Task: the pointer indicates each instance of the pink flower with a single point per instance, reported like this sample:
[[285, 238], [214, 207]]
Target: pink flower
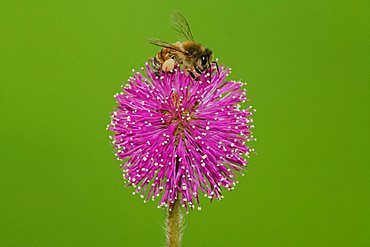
[[179, 137]]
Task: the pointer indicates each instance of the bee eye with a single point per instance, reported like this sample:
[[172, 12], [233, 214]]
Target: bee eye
[[204, 60]]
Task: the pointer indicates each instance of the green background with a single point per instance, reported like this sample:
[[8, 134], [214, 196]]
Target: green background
[[307, 68]]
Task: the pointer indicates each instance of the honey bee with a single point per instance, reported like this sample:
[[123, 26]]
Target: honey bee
[[187, 52]]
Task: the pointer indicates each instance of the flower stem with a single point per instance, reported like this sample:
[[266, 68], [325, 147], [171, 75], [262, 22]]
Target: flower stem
[[173, 225]]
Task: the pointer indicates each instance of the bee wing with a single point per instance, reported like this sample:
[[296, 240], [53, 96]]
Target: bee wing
[[164, 44], [181, 25]]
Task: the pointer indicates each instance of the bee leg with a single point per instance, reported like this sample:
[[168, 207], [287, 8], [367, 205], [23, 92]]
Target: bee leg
[[215, 62], [192, 75], [177, 60], [168, 65]]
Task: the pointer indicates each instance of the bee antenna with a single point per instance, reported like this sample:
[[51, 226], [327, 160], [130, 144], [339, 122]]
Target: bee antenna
[[218, 71]]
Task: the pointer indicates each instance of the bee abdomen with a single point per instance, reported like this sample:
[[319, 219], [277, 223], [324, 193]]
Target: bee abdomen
[[157, 65]]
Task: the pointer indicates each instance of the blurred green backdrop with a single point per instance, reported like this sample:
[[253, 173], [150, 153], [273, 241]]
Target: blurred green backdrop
[[307, 65]]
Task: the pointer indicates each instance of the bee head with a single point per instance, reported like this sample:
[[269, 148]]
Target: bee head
[[204, 62]]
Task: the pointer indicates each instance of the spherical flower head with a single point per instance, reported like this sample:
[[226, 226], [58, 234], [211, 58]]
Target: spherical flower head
[[179, 137]]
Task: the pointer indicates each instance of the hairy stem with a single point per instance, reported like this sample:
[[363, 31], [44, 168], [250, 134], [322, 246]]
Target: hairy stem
[[173, 225]]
